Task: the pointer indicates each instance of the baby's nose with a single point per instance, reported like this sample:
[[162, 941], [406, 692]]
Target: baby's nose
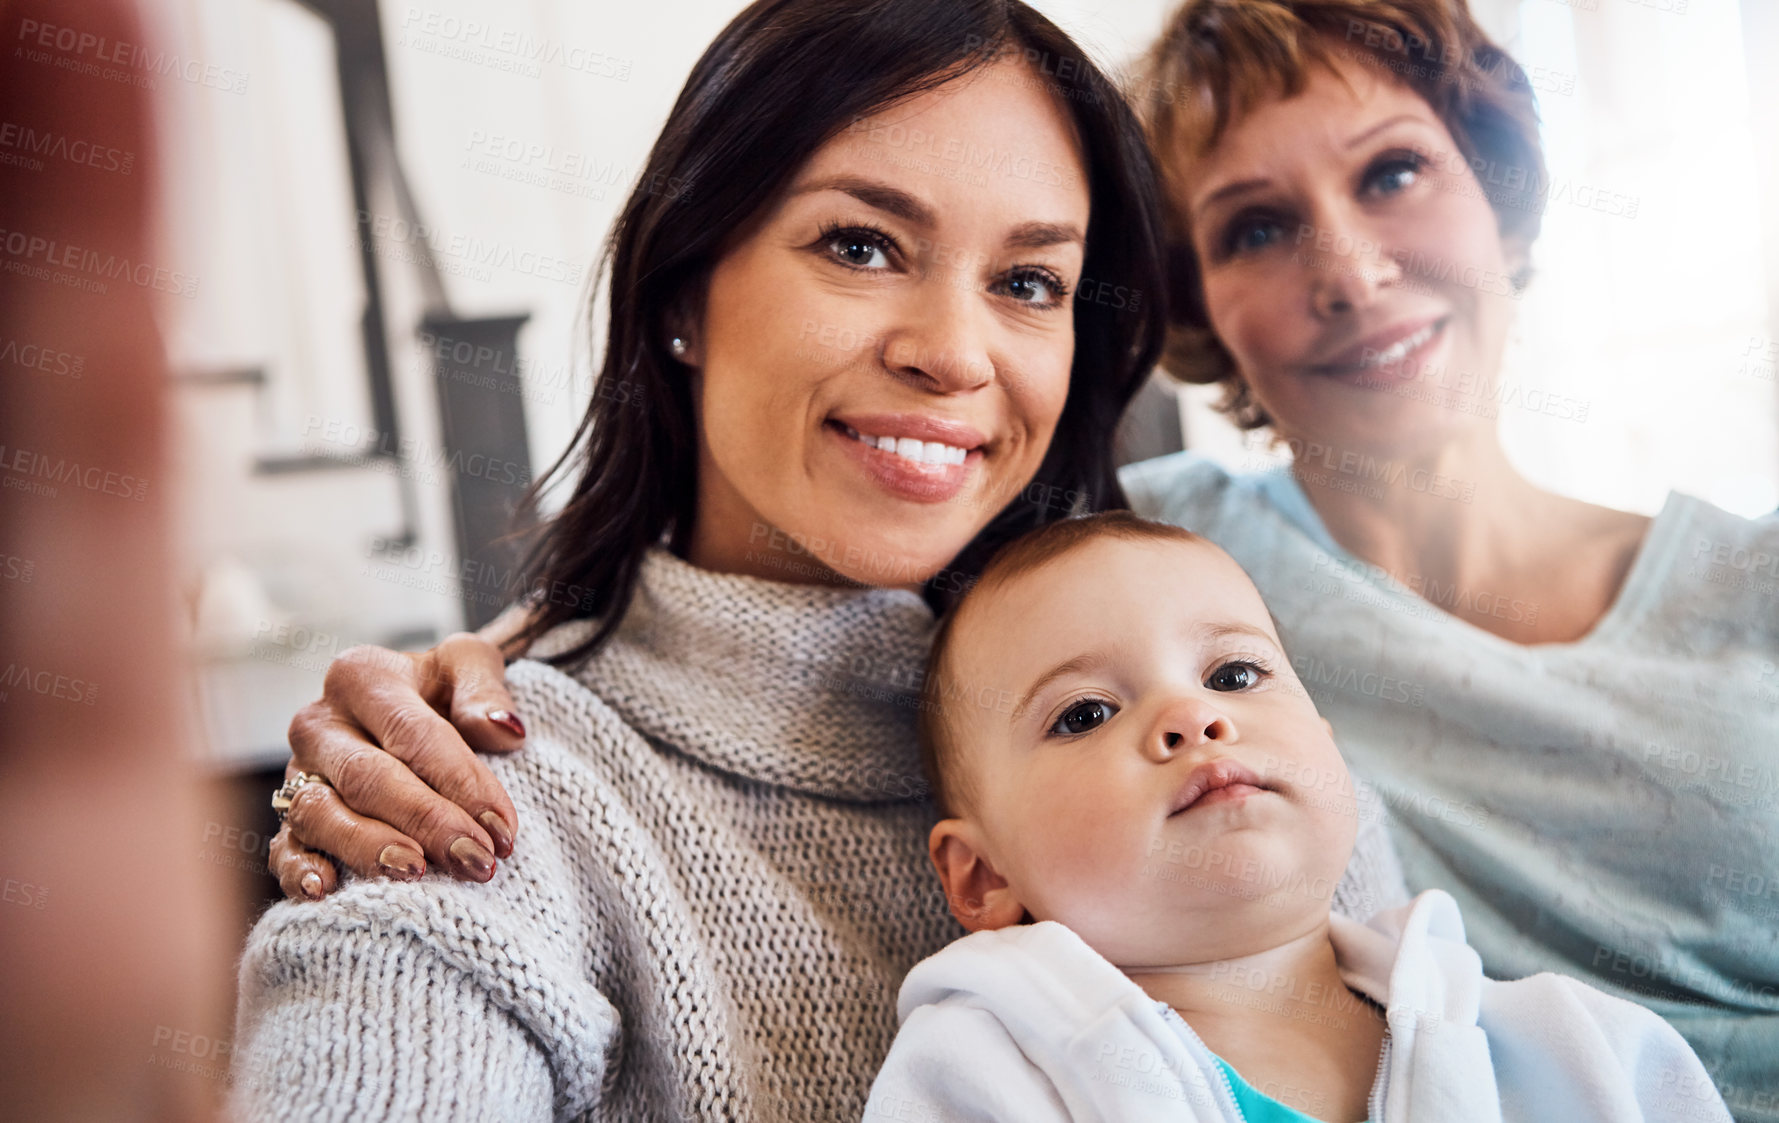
[[1189, 723]]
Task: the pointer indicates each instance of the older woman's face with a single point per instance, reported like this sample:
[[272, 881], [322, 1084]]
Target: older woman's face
[[1353, 267], [882, 360]]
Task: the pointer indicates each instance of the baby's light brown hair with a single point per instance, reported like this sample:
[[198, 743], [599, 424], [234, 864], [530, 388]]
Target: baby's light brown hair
[[943, 694]]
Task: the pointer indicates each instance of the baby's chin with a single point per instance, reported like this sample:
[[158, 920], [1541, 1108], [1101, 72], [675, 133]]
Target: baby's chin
[[1200, 928]]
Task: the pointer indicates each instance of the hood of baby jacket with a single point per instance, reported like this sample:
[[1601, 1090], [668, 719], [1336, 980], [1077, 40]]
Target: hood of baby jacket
[[1114, 1053]]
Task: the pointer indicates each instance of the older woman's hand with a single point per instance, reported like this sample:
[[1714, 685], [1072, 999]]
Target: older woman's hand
[[403, 784]]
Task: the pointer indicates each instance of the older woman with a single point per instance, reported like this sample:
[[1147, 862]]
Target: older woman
[[1570, 711], [722, 877]]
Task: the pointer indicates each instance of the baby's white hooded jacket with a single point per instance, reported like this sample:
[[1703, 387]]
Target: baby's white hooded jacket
[[1029, 1024]]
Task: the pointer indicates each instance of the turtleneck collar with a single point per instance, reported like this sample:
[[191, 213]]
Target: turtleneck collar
[[807, 687]]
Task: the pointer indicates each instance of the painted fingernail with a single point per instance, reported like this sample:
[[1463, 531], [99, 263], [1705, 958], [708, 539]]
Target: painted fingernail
[[472, 859], [507, 720], [312, 885], [401, 862], [497, 827]]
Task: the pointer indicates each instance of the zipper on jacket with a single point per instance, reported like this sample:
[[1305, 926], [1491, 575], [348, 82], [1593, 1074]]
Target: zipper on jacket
[[1223, 1077], [1375, 1105]]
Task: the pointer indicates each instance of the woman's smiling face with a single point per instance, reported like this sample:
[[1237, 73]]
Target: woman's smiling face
[[882, 358], [1352, 265]]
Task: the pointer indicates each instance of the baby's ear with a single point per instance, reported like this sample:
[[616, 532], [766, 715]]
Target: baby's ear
[[1329, 728], [980, 897]]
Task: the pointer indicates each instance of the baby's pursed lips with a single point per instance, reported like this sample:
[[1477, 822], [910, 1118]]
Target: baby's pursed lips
[[1222, 772]]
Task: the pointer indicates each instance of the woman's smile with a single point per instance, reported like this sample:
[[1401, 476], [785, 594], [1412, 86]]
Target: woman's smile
[[1398, 353], [910, 456]]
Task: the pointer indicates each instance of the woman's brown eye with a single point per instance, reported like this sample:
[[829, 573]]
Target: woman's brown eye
[[859, 249]]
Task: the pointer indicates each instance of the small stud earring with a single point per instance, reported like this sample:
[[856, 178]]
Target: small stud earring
[[677, 346]]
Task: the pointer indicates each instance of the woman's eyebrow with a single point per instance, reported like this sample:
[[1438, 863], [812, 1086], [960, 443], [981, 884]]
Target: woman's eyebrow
[[874, 193], [1361, 138], [1039, 235], [1228, 190]]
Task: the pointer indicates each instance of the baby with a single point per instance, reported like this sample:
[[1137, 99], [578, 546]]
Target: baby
[[1140, 832]]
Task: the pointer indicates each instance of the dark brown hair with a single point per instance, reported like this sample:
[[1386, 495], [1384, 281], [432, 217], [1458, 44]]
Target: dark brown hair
[[940, 689], [1218, 59], [783, 78]]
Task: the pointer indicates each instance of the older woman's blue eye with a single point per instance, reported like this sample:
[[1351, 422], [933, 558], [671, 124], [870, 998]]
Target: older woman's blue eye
[[1231, 677], [1083, 717], [1394, 176], [1253, 235]]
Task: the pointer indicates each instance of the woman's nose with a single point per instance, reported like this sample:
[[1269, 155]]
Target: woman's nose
[[942, 341], [1347, 269], [1188, 723]]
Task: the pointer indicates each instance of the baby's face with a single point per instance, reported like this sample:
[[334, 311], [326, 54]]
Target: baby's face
[[1146, 767]]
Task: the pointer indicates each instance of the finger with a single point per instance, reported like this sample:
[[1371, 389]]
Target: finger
[[482, 714], [375, 692], [319, 821], [437, 754], [472, 672], [377, 785], [303, 874]]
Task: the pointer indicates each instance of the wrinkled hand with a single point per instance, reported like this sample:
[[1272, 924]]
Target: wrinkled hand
[[404, 784]]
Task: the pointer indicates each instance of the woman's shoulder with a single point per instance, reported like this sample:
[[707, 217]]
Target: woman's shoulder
[[1184, 488], [1722, 573], [460, 957], [1716, 531], [555, 693], [578, 747], [1715, 560]]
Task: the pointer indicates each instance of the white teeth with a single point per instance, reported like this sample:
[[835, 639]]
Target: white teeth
[[1398, 350], [911, 448]]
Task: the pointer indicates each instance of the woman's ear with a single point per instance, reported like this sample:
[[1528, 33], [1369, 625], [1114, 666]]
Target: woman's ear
[[685, 345], [980, 897], [1516, 249], [685, 323]]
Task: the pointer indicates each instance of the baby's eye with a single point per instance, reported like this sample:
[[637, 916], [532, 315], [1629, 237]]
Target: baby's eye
[[1237, 674], [1083, 717]]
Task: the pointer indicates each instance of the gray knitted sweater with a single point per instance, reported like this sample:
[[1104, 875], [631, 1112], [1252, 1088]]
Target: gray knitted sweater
[[720, 880]]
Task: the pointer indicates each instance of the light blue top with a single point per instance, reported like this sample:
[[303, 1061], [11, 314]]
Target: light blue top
[[1257, 1106], [1607, 808]]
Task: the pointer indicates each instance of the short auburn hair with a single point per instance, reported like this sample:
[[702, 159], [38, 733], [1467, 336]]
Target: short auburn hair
[[1218, 59], [941, 692]]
